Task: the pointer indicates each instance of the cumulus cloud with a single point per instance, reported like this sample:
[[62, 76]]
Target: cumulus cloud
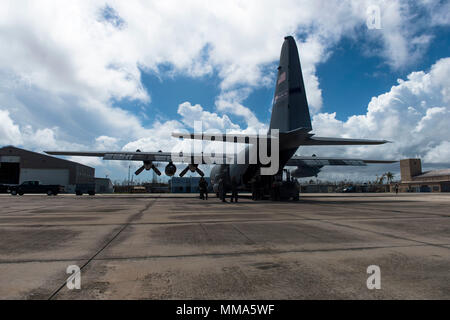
[[9, 131], [97, 50], [440, 151], [63, 67], [414, 115], [231, 102], [106, 143], [192, 113]]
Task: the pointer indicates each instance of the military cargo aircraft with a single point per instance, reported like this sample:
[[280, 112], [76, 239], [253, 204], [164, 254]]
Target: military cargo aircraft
[[290, 128]]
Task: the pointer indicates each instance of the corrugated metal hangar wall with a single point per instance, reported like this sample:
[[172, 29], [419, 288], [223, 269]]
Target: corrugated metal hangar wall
[[18, 165]]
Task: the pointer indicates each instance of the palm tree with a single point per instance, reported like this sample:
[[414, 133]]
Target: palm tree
[[389, 176], [381, 180]]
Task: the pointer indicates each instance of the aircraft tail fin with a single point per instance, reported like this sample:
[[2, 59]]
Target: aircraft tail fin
[[290, 109]]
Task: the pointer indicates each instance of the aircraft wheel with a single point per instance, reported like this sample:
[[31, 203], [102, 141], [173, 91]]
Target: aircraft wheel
[[49, 192], [14, 193]]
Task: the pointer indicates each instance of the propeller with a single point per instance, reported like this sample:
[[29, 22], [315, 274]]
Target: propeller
[[148, 165], [138, 171], [200, 172], [182, 173], [156, 170], [192, 168]]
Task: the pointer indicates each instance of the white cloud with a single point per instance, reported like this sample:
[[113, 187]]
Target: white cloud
[[9, 131], [73, 49], [414, 115], [41, 138], [192, 113], [157, 138], [63, 65], [438, 11], [440, 151], [106, 143], [231, 102], [37, 139]]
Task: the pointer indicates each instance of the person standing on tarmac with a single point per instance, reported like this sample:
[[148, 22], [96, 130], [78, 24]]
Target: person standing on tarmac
[[222, 190], [234, 192], [203, 188], [276, 192], [200, 188], [256, 192], [254, 189]]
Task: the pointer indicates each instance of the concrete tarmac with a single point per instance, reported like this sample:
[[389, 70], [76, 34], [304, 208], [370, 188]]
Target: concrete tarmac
[[179, 247]]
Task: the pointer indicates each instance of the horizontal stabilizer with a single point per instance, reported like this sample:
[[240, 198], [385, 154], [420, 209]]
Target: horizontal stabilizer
[[323, 141]]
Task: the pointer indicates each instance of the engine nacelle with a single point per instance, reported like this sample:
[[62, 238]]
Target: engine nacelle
[[148, 165], [170, 169]]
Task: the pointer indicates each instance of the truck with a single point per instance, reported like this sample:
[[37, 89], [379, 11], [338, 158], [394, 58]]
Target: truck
[[36, 187], [4, 188], [88, 188]]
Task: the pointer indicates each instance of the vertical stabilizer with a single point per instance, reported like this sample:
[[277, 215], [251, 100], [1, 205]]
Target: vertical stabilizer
[[290, 108]]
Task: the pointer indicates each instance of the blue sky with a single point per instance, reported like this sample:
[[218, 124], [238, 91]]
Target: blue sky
[[349, 78], [109, 75]]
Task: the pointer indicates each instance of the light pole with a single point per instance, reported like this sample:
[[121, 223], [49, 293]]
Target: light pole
[[129, 168]]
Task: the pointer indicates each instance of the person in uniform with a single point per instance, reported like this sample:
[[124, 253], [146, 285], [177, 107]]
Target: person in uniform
[[276, 192], [256, 188], [222, 190], [200, 188], [203, 188], [234, 192]]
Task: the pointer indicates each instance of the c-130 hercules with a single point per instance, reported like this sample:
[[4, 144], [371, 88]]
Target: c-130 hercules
[[290, 116]]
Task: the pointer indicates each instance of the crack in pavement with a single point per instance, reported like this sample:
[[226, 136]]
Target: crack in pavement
[[124, 226]]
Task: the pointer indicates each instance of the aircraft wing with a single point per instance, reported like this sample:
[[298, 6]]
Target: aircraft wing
[[298, 161], [144, 156], [117, 155]]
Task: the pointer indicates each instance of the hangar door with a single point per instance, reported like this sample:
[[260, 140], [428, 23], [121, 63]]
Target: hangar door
[[9, 169], [45, 176], [9, 172]]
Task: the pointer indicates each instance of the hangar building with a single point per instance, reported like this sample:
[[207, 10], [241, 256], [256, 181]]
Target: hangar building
[[414, 180], [18, 165]]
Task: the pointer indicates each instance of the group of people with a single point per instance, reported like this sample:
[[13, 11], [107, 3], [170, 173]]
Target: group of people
[[203, 188], [223, 193]]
